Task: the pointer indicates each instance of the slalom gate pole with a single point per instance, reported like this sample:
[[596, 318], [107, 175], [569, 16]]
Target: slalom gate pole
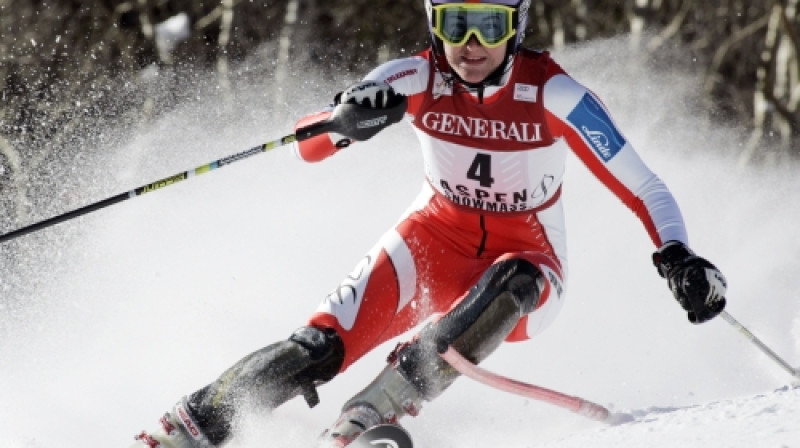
[[301, 134], [578, 405], [795, 372]]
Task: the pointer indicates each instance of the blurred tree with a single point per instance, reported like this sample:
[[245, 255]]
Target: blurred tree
[[69, 69]]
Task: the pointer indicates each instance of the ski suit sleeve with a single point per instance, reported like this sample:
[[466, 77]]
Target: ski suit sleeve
[[577, 115], [408, 76]]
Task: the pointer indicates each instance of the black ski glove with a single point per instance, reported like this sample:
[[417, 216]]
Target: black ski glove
[[696, 284], [367, 107], [359, 112]]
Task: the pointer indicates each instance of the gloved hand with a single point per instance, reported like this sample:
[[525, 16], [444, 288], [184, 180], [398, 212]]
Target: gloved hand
[[370, 94], [365, 108], [359, 112], [696, 284]]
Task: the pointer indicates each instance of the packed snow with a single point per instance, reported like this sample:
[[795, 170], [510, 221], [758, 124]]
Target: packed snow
[[131, 307]]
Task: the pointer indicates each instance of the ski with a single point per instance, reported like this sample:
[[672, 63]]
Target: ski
[[383, 436]]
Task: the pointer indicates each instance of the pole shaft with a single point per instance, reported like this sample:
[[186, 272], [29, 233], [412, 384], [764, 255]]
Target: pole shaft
[[153, 186], [763, 347]]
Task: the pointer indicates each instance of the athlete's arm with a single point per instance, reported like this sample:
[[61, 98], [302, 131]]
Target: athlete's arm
[[407, 76], [577, 115]]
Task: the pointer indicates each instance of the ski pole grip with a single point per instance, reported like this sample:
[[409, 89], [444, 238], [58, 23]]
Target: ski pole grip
[[355, 121], [315, 129]]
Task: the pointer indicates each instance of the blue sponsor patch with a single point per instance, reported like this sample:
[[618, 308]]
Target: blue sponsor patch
[[596, 126]]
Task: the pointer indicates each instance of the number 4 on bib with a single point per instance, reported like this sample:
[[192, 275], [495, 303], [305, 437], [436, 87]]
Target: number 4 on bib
[[383, 436], [481, 170]]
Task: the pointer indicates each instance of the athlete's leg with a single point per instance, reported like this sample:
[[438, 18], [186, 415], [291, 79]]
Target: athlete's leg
[[267, 377], [389, 291], [513, 286], [383, 297]]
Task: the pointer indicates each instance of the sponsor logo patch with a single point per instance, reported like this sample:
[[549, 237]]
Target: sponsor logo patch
[[477, 127], [596, 126], [525, 92], [371, 123], [188, 423], [401, 74]]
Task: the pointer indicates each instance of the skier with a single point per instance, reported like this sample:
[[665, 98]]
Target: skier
[[481, 251]]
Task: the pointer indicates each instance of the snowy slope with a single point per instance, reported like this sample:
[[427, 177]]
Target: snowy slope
[[764, 420], [152, 298]]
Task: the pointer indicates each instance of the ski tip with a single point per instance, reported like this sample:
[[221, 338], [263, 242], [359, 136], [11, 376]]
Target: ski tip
[[383, 436]]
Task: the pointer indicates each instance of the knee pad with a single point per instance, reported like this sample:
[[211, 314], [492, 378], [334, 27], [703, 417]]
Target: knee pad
[[475, 327], [517, 275]]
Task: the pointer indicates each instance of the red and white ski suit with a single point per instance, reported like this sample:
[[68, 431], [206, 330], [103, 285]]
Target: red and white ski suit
[[494, 167]]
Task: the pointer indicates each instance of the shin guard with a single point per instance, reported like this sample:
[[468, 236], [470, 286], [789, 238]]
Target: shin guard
[[475, 327], [268, 377]]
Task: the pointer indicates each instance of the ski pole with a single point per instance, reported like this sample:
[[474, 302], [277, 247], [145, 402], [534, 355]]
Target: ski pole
[[301, 134], [578, 405], [763, 347], [356, 121]]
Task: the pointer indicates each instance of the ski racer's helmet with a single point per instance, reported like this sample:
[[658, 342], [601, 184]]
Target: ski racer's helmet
[[492, 22]]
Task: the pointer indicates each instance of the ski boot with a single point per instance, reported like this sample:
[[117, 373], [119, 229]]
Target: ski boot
[[385, 400], [177, 430]]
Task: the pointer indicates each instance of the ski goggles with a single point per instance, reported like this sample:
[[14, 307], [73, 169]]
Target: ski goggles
[[492, 25]]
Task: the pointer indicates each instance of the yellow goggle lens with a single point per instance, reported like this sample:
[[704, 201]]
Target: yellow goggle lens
[[455, 23]]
